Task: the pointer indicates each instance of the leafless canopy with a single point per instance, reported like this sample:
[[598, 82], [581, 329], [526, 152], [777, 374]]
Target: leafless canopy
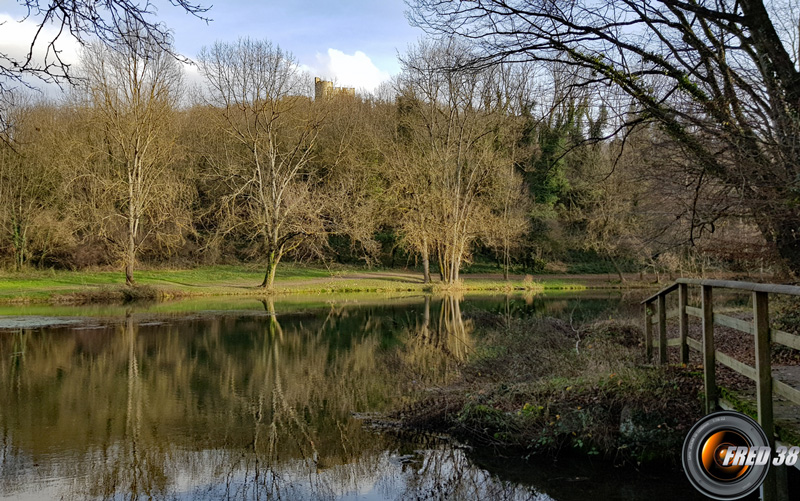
[[108, 21], [721, 76]]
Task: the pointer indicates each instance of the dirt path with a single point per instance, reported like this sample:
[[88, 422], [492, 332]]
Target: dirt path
[[416, 278]]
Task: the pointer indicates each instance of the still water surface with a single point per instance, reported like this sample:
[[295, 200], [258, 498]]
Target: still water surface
[[250, 399]]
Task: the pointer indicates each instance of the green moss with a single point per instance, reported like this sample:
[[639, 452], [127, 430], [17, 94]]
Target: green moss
[[787, 435], [739, 403]]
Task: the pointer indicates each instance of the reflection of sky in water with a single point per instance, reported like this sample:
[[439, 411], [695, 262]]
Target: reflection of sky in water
[[253, 400], [441, 473]]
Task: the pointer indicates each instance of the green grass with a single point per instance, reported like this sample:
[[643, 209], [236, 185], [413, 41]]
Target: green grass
[[222, 280]]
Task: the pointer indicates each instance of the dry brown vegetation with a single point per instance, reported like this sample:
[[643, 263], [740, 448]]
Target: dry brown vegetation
[[451, 165], [547, 387]]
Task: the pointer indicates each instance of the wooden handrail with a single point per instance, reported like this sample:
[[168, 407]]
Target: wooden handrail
[[662, 292], [766, 385], [792, 290]]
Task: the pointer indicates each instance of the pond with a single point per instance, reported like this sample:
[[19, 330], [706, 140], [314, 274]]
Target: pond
[[264, 399]]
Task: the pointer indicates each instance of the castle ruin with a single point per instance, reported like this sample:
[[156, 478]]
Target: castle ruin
[[324, 89]]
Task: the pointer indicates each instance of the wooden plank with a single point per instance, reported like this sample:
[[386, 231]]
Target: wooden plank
[[740, 367], [670, 315], [709, 363], [683, 322], [694, 344], [777, 336], [662, 330], [662, 292], [786, 339], [786, 391], [734, 323], [674, 341], [648, 331], [763, 364], [792, 290]]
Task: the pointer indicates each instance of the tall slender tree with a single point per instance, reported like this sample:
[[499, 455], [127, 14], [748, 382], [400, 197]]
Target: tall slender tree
[[452, 143], [133, 89], [271, 126]]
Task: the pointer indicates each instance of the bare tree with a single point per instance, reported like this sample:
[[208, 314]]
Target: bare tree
[[722, 79], [272, 126], [509, 217], [31, 180], [133, 90], [452, 139], [106, 21]]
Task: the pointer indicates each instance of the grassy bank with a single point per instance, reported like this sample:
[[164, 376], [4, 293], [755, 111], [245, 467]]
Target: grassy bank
[[97, 286], [542, 386]]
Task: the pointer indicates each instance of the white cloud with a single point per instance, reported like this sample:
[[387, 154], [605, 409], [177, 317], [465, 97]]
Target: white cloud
[[356, 70], [16, 37]]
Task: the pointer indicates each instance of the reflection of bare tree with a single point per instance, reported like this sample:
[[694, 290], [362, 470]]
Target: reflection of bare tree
[[18, 357], [451, 335], [133, 465], [437, 345], [294, 379], [453, 332], [426, 318], [241, 406], [447, 473]]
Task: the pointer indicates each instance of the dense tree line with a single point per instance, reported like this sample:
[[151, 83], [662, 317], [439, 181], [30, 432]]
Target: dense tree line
[[523, 165], [720, 78]]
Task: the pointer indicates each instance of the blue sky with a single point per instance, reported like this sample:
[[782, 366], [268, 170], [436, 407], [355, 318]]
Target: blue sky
[[354, 42]]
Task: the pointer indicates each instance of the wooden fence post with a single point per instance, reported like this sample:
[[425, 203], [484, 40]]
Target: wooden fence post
[[764, 383], [709, 359], [662, 329], [648, 331], [683, 319]]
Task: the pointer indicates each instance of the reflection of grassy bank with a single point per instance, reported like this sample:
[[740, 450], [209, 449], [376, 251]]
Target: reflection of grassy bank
[[544, 386], [107, 286]]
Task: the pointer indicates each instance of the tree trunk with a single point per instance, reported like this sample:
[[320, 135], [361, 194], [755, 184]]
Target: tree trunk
[[440, 264], [131, 253], [783, 228], [506, 260], [616, 267], [19, 247], [133, 224], [272, 265], [426, 263]]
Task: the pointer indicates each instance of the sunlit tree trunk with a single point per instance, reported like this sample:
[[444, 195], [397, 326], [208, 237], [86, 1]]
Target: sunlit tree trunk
[[273, 258], [259, 92], [426, 263], [133, 90], [130, 255]]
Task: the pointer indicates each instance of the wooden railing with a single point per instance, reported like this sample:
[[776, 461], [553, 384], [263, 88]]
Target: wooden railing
[[767, 386]]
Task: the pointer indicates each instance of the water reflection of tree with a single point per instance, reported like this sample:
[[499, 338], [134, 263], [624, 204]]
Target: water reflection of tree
[[255, 403], [134, 464], [447, 473], [438, 344]]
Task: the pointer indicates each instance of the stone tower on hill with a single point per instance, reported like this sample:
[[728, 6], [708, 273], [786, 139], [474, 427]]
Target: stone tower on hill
[[324, 89]]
